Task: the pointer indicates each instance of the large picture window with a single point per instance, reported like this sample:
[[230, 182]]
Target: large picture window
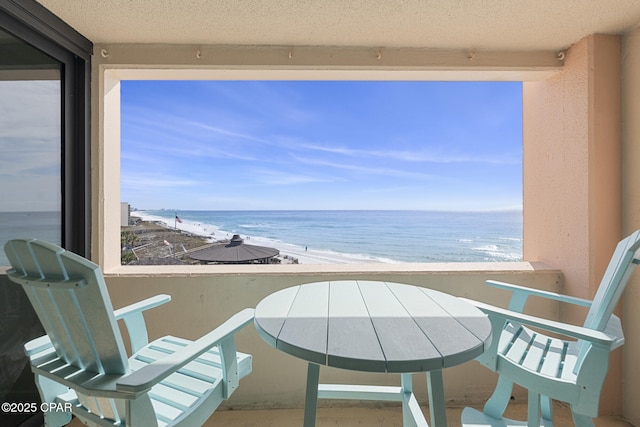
[[320, 172]]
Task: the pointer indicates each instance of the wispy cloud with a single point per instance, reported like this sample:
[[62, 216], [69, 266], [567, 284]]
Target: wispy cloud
[[365, 169], [276, 177], [168, 135], [420, 156], [225, 132], [20, 158], [156, 181]]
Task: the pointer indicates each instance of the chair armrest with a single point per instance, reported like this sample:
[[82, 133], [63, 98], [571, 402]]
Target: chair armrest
[[521, 293], [150, 375], [140, 306], [578, 332], [614, 329], [37, 345], [134, 320]]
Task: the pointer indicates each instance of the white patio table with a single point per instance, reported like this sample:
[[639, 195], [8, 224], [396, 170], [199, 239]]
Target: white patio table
[[374, 327]]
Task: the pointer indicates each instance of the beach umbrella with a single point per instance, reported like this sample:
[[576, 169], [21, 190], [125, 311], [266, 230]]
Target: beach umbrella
[[234, 252]]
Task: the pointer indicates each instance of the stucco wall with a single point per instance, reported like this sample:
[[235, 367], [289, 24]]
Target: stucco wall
[[571, 193], [631, 219], [572, 179], [571, 127], [201, 301]]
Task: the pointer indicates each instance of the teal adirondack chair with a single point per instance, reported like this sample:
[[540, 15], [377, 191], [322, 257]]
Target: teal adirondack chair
[[570, 370], [81, 363]]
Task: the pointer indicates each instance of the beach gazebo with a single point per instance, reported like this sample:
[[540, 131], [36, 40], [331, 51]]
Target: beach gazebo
[[236, 252]]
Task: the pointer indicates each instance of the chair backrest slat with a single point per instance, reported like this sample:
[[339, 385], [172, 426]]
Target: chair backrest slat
[[613, 282], [610, 290], [78, 319], [54, 324]]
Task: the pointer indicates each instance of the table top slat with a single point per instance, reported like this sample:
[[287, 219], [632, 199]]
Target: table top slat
[[453, 340], [271, 313], [353, 343], [405, 345], [304, 332], [470, 316]]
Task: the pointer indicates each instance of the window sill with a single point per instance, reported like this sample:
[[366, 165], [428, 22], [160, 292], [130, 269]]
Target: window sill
[[325, 269]]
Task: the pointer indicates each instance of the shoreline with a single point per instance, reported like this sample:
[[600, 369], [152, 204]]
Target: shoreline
[[211, 234]]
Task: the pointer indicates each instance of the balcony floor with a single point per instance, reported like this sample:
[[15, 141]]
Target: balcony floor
[[372, 417], [366, 416]]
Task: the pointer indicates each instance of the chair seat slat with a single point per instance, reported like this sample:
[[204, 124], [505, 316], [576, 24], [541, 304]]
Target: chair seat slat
[[507, 337], [200, 371], [194, 368], [52, 365], [567, 367], [519, 348], [535, 354], [173, 397], [44, 357], [164, 412], [68, 371], [171, 344], [185, 383], [554, 358]]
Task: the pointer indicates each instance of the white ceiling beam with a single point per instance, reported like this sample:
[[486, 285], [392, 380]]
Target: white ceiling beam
[[149, 62]]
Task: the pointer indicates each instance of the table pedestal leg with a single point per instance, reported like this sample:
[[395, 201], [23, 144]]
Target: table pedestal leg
[[311, 396], [435, 387], [407, 388]]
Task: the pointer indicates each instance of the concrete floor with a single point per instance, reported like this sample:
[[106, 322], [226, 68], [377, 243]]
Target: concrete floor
[[388, 416], [373, 417]]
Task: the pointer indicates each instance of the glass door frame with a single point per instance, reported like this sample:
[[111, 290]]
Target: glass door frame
[[31, 22]]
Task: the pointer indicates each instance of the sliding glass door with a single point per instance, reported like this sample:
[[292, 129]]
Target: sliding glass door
[[44, 128], [30, 143], [44, 167]]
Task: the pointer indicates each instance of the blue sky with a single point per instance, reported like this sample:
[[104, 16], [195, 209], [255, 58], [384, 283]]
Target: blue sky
[[242, 145]]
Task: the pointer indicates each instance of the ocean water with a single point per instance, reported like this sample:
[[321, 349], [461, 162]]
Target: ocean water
[[384, 236], [41, 225]]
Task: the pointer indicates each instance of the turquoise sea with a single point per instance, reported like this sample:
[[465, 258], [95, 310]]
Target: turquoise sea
[[42, 225], [385, 235]]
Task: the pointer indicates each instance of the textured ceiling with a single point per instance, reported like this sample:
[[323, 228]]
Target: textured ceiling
[[456, 24]]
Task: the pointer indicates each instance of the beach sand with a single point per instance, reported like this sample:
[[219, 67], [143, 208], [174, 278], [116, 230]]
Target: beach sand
[[211, 234]]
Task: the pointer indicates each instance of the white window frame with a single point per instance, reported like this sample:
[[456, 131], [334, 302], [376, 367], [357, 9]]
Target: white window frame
[[116, 63]]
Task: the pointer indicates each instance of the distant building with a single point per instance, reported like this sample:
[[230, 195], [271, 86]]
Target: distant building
[[236, 252], [125, 214]]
